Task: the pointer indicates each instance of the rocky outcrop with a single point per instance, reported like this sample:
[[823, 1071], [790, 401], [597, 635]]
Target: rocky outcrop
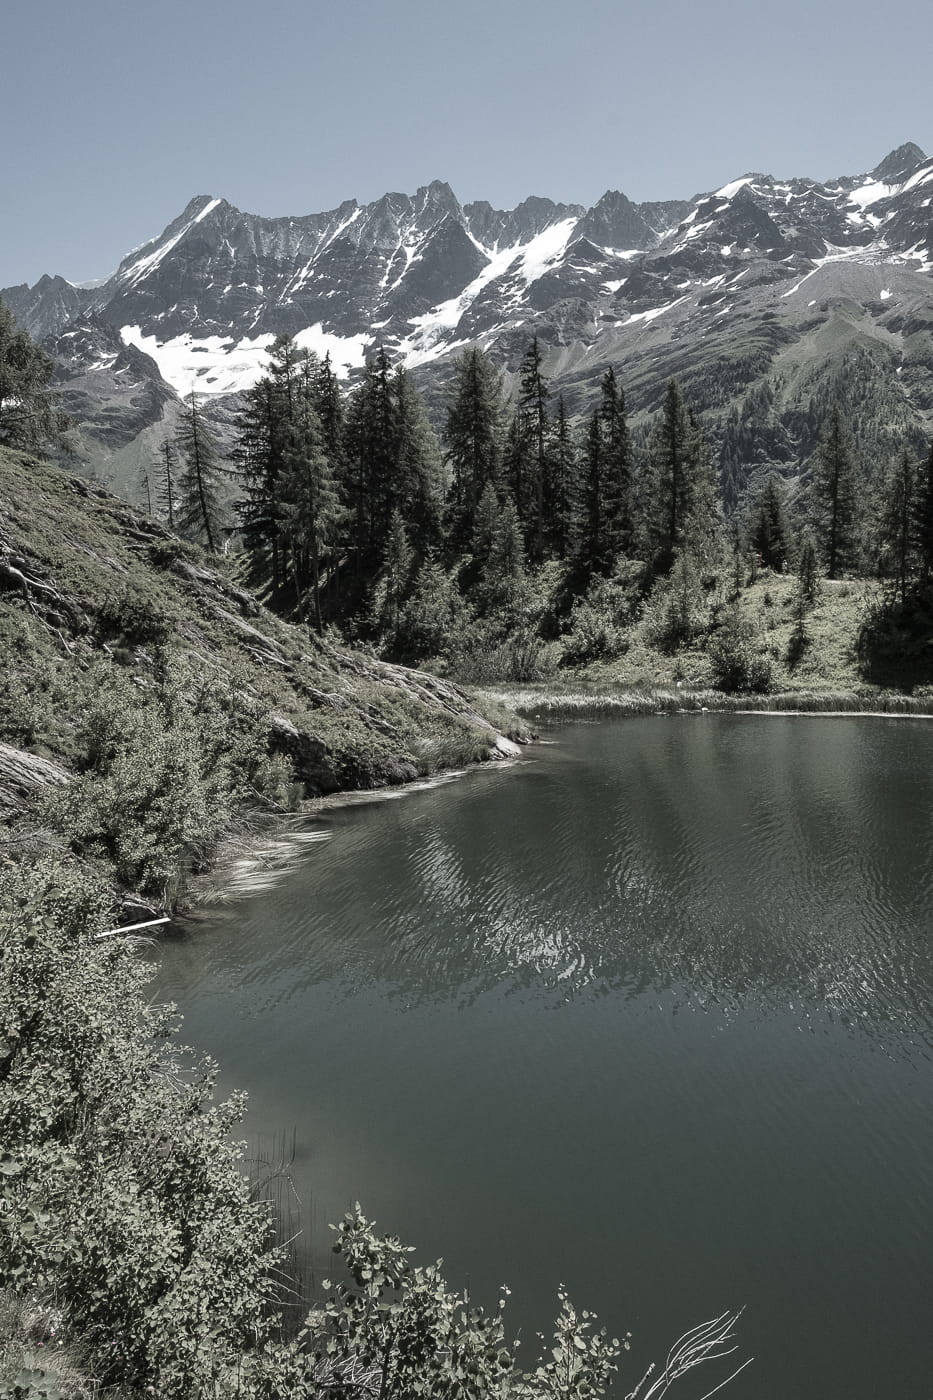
[[23, 777]]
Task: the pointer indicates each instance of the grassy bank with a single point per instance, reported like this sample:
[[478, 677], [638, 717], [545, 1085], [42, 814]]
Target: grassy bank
[[152, 705], [544, 701]]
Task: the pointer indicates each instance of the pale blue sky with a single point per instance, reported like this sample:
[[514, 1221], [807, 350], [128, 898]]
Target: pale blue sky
[[116, 112]]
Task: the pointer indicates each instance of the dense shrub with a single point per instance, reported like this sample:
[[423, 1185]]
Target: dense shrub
[[119, 1192], [737, 662]]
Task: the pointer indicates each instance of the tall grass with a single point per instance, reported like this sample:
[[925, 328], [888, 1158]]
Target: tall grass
[[599, 704]]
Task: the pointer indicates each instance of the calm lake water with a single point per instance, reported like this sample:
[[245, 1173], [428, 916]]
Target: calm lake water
[[647, 1013]]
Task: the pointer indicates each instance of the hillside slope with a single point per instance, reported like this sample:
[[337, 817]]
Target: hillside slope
[[96, 598]]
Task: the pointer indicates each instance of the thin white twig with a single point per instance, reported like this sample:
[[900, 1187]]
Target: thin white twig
[[129, 928]]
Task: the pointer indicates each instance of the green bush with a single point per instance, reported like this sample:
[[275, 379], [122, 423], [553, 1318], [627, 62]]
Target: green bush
[[119, 1192], [737, 662]]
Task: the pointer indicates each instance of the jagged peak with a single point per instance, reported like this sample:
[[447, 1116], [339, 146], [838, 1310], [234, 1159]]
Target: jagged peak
[[900, 161], [613, 199]]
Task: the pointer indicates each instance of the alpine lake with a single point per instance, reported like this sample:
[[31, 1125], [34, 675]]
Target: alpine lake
[[647, 1012]]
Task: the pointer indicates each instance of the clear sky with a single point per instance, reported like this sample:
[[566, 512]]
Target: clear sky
[[114, 113]]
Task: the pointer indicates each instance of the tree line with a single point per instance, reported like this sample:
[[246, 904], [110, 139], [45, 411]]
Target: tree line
[[355, 512]]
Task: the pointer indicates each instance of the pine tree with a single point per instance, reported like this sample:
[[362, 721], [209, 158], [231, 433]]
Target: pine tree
[[703, 528], [559, 505], [504, 571], [397, 565], [167, 477], [472, 440], [485, 523], [518, 470], [589, 535], [201, 512], [416, 488], [534, 428], [666, 482], [897, 525], [370, 457], [616, 470], [329, 405], [145, 488], [770, 532], [310, 505], [923, 518], [833, 497], [29, 412], [259, 460], [680, 501]]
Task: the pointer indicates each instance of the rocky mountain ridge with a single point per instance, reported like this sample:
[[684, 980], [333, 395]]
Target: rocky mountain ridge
[[765, 298]]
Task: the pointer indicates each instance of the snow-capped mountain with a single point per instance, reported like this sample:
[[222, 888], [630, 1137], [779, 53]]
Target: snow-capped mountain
[[761, 281]]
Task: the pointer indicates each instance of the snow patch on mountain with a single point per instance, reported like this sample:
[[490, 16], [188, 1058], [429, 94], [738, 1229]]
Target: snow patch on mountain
[[220, 365], [733, 187], [527, 261]]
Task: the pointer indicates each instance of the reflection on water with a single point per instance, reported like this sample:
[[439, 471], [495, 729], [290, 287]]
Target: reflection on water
[[614, 1018]]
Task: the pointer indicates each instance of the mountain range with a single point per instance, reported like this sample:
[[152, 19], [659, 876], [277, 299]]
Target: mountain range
[[767, 299]]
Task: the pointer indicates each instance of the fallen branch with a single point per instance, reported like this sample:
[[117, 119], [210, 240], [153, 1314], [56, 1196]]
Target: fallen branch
[[131, 928]]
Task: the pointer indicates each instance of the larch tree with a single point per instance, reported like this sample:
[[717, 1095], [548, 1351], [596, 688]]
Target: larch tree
[[896, 538], [562, 483], [29, 412], [201, 511], [310, 504], [666, 494], [922, 512], [770, 533], [833, 495], [472, 440], [167, 477], [534, 426]]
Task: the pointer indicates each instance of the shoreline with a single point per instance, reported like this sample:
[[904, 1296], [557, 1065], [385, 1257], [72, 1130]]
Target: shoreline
[[248, 863], [550, 703]]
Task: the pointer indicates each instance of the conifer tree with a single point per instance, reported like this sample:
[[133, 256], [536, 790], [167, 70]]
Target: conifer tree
[[397, 565], [472, 440], [310, 506], [589, 536], [168, 473], [518, 470], [563, 480], [259, 457], [201, 511], [770, 532], [533, 418], [145, 488], [923, 518], [666, 483], [703, 531], [616, 473], [680, 504], [504, 571], [29, 412], [485, 522], [897, 525], [833, 497], [370, 441], [416, 489]]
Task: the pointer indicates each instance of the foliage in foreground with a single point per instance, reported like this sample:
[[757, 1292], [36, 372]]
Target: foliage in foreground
[[123, 1207]]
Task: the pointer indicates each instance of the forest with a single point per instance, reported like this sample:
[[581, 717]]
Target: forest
[[517, 544]]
